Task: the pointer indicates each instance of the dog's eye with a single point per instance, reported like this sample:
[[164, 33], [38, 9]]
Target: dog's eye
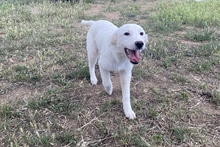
[[126, 34], [141, 33]]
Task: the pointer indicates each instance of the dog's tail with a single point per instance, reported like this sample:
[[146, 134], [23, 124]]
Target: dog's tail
[[87, 22]]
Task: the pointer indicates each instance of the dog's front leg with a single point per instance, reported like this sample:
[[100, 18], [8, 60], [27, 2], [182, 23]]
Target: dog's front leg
[[106, 80], [125, 79]]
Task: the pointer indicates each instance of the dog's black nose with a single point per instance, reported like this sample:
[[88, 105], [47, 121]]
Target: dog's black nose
[[139, 44]]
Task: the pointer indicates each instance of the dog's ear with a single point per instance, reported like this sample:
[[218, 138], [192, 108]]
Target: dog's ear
[[146, 38], [114, 38]]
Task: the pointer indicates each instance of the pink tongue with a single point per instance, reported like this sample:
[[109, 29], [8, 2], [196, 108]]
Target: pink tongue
[[134, 56]]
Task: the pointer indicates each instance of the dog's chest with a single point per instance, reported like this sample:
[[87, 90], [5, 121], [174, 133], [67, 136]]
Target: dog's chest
[[113, 65]]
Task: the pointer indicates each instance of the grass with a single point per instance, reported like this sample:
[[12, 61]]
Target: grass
[[178, 78], [199, 36], [171, 16], [45, 95], [181, 133]]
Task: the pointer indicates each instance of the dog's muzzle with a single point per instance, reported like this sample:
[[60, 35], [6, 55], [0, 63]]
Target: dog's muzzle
[[133, 55]]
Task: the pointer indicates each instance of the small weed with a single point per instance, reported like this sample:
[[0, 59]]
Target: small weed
[[168, 51], [54, 101], [181, 133], [139, 105], [206, 65], [165, 25], [184, 96], [89, 1], [156, 91], [131, 11], [39, 139], [181, 96], [156, 51], [157, 139], [44, 140], [25, 74], [80, 73], [153, 113], [60, 79], [113, 1], [178, 78], [6, 111], [106, 106], [33, 104], [138, 72], [207, 49], [132, 140], [168, 62], [66, 138], [216, 97], [199, 36], [114, 102], [213, 96]]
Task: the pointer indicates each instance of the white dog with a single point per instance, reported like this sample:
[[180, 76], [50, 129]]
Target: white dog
[[115, 49]]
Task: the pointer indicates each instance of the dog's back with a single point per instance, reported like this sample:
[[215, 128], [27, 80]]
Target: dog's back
[[101, 31], [99, 26]]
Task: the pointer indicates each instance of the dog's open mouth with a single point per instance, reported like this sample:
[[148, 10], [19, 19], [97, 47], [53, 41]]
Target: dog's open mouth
[[133, 55]]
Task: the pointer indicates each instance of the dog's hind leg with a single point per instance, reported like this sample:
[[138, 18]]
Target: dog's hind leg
[[93, 56]]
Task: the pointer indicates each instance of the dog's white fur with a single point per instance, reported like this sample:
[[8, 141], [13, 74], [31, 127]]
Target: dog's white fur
[[106, 44]]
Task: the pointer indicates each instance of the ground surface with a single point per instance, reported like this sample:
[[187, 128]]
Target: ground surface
[[46, 98]]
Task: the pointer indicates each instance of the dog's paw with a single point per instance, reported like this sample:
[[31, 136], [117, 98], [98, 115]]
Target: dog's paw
[[94, 81], [109, 89], [130, 114]]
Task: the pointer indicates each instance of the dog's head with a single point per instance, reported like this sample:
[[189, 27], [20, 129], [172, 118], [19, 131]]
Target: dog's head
[[130, 39]]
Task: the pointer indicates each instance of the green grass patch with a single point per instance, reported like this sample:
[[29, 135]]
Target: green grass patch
[[178, 78], [181, 133], [206, 65], [66, 138], [132, 140], [80, 73], [207, 50], [53, 99], [156, 51], [39, 24], [199, 35], [153, 113], [131, 11], [169, 61], [200, 14], [212, 96], [216, 97], [157, 139], [6, 111]]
